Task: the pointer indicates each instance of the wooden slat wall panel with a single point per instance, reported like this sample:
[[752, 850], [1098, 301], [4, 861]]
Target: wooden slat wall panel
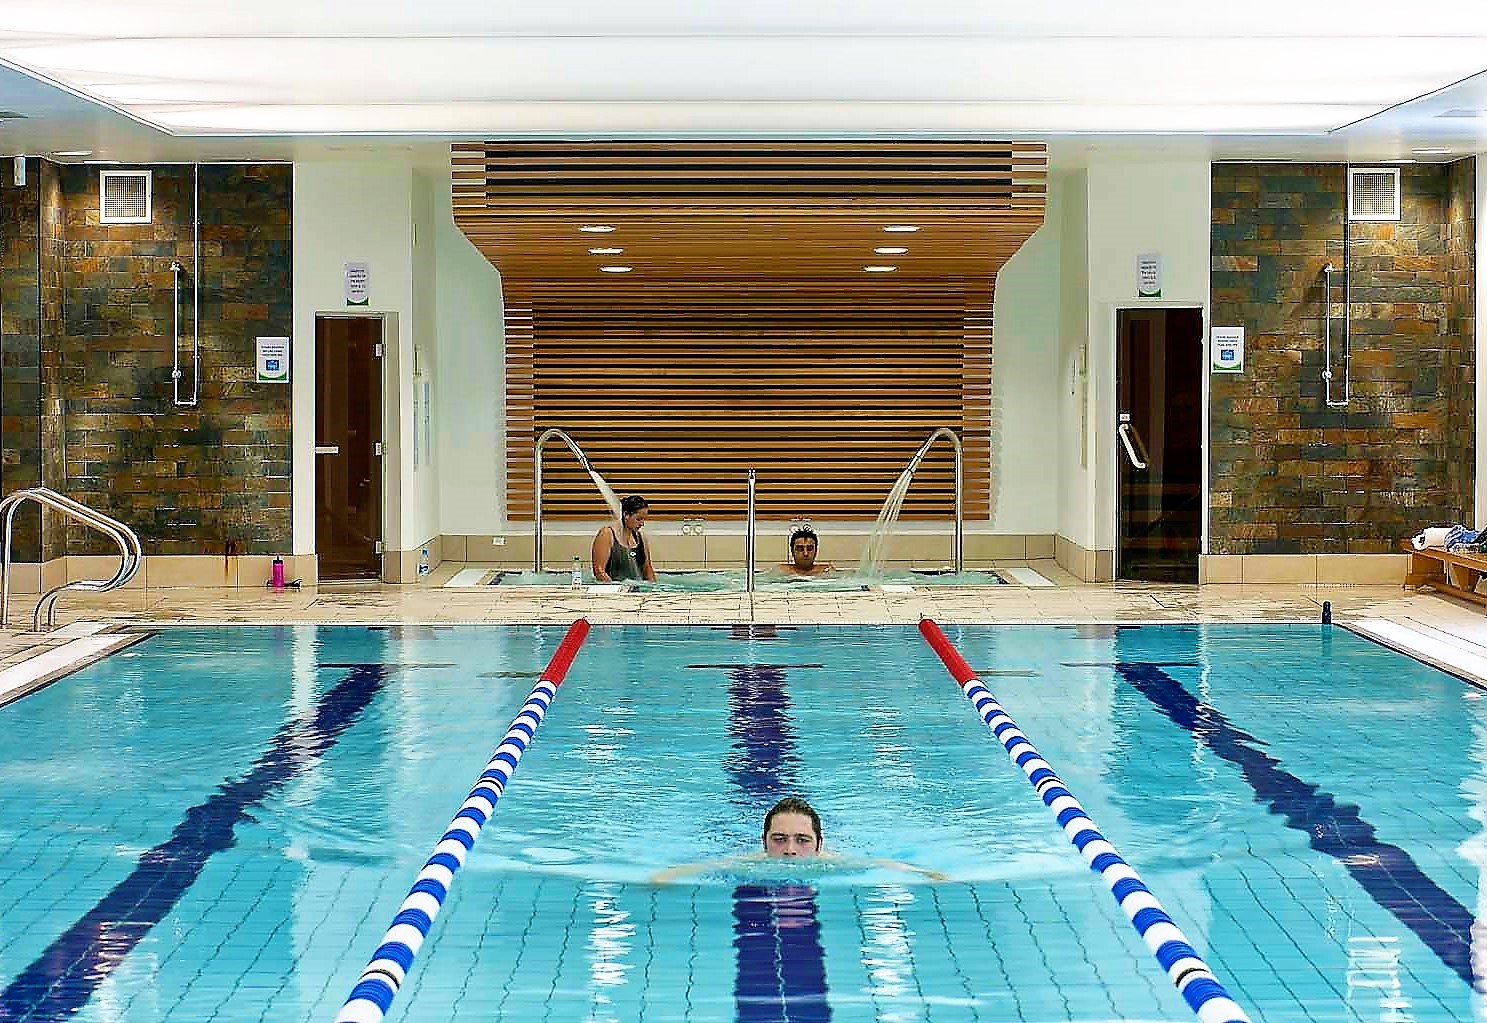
[[747, 334], [827, 399]]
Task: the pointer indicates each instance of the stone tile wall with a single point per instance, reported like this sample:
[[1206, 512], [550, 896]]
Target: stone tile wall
[[86, 399], [205, 480], [20, 351], [53, 448], [1289, 475]]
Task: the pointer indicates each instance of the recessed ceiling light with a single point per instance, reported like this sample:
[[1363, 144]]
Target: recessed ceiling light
[[611, 251], [73, 152], [890, 250], [901, 228], [616, 269], [1431, 152], [880, 269], [596, 228]]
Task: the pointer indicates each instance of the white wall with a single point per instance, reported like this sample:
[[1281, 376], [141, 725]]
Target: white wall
[[1071, 211], [1025, 359], [1135, 208], [421, 503], [346, 212], [471, 436]]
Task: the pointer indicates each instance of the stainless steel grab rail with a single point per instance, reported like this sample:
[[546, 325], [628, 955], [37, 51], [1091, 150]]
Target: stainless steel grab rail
[[130, 552]]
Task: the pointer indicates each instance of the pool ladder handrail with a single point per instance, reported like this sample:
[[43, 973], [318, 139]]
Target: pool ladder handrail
[[130, 552], [583, 461]]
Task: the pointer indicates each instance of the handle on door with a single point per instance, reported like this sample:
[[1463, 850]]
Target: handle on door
[[1124, 430], [327, 449]]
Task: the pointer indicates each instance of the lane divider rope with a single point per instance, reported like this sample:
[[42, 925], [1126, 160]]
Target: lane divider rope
[[1185, 968], [379, 983]]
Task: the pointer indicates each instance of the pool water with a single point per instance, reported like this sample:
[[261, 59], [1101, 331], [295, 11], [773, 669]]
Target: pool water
[[219, 824], [708, 581]]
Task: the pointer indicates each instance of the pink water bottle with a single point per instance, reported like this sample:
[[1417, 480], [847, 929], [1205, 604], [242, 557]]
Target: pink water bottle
[[277, 581]]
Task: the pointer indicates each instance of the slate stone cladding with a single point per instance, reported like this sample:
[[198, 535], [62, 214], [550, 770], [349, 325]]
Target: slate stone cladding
[[1289, 475], [20, 351], [205, 480]]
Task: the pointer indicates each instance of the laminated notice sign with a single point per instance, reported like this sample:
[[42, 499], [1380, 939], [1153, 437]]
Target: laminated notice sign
[[273, 360], [1149, 275], [358, 283], [1226, 349]]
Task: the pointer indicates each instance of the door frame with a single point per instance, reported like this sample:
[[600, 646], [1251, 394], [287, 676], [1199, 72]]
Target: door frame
[[1106, 431], [385, 322]]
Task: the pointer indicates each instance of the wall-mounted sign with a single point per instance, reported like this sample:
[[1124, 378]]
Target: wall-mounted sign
[[1149, 275], [358, 283], [273, 360], [1226, 349]]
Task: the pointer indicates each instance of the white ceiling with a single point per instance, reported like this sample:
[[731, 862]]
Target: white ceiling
[[274, 78]]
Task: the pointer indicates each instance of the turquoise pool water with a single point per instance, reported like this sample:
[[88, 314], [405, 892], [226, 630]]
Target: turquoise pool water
[[218, 824], [704, 581]]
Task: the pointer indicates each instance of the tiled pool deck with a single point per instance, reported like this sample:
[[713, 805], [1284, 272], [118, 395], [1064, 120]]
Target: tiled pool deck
[[1441, 624]]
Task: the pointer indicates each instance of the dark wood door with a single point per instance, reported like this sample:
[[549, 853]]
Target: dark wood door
[[1159, 443], [348, 447]]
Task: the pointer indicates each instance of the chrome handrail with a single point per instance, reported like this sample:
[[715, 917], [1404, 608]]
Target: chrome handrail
[[946, 432], [583, 460], [130, 551], [750, 537]]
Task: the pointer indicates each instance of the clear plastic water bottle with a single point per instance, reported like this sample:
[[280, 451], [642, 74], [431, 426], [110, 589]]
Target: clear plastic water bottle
[[423, 561], [577, 570]]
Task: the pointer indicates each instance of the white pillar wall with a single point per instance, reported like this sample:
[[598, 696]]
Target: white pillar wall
[[1480, 467]]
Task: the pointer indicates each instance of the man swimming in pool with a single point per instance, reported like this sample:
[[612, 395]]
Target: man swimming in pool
[[804, 545], [792, 830]]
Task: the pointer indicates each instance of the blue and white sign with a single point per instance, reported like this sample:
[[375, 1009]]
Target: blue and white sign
[[1226, 348], [273, 360]]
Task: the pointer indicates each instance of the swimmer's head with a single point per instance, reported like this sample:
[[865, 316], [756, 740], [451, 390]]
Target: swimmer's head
[[792, 828]]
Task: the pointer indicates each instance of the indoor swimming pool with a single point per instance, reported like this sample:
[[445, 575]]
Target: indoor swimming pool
[[218, 824]]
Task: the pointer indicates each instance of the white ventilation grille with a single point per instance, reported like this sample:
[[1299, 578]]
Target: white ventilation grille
[[124, 197], [1373, 193]]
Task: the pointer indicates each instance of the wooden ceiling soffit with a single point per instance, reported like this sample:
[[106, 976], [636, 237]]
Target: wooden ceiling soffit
[[751, 210]]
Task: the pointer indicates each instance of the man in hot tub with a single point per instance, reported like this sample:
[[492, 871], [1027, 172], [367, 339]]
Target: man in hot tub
[[804, 544]]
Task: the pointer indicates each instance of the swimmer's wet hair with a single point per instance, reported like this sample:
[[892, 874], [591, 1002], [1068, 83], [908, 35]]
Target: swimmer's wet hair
[[794, 804]]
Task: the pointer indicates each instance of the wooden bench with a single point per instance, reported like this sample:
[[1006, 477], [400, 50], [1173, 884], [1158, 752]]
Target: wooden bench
[[1453, 572]]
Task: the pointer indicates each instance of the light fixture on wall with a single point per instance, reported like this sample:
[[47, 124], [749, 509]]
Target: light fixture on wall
[[596, 228]]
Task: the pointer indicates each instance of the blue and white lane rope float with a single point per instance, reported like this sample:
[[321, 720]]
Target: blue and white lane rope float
[[1185, 968], [373, 994]]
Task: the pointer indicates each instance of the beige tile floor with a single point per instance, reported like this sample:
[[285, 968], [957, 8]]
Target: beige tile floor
[[1069, 601]]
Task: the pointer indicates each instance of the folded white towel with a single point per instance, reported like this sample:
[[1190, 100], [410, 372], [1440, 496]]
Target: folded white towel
[[1435, 536]]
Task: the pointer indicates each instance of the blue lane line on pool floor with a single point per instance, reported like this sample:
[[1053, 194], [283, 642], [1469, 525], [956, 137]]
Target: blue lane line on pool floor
[[63, 978], [1386, 872], [781, 964]]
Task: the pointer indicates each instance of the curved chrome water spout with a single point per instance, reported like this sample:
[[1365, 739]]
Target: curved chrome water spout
[[583, 460], [913, 465]]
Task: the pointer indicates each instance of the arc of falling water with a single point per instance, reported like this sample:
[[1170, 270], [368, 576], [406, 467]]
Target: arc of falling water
[[605, 490], [888, 515]]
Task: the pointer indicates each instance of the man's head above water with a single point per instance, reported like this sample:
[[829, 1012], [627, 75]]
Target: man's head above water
[[804, 546], [792, 828]]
